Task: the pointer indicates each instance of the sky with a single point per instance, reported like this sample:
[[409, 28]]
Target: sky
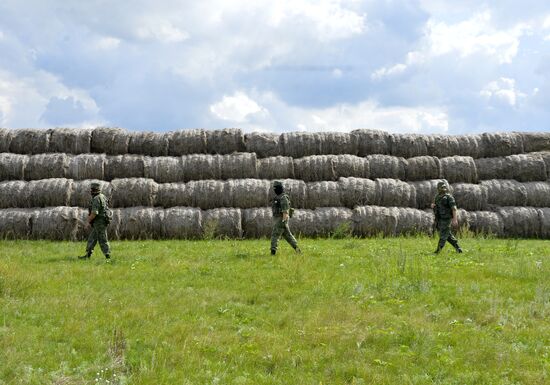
[[418, 66]]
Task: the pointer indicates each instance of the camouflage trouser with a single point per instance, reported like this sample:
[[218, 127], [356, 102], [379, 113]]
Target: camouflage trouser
[[281, 228], [445, 233], [98, 234]]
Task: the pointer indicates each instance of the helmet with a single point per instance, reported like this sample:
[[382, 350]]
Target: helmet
[[277, 183], [95, 186]]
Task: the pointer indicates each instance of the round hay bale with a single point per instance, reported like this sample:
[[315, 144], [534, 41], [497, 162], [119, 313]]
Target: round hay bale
[[86, 166], [225, 141], [371, 142], [257, 222], [538, 194], [186, 142], [536, 141], [264, 144], [148, 143], [393, 192], [238, 165], [412, 221], [459, 169], [501, 144], [12, 166], [200, 166], [72, 141], [338, 143], [544, 217], [545, 155], [141, 223], [44, 166], [523, 167], [27, 141], [5, 139], [443, 146], [296, 191], [300, 144], [425, 191], [164, 169], [113, 230], [14, 194], [408, 145], [247, 193], [111, 141], [130, 192], [374, 220], [350, 165], [471, 197], [49, 192], [182, 223], [329, 220], [206, 194], [173, 195], [501, 192], [520, 222], [125, 166], [486, 222], [222, 223], [303, 223], [277, 167], [15, 223], [56, 223], [315, 168], [357, 192], [423, 168], [386, 166], [323, 194], [80, 192]]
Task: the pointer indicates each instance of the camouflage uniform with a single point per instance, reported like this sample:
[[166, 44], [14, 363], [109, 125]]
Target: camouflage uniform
[[281, 204], [98, 206], [444, 205]]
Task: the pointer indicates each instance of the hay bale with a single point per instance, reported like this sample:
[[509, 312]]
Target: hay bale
[[328, 220], [303, 223], [28, 141], [5, 139], [186, 142], [206, 194], [12, 166], [538, 194], [523, 167], [471, 196], [44, 166], [501, 144], [86, 166], [443, 146], [423, 168], [536, 141], [141, 223], [300, 144], [338, 143], [374, 220], [14, 194], [173, 195], [264, 144], [357, 192], [148, 143], [182, 223], [412, 221], [502, 192], [393, 192], [425, 191], [485, 222], [200, 166], [257, 222], [129, 192], [125, 166], [350, 166], [315, 168], [545, 155], [15, 223], [49, 192], [323, 194], [459, 169], [544, 217], [371, 142], [276, 167], [520, 222], [164, 169], [408, 145], [247, 193], [225, 141], [80, 192], [296, 191], [238, 165], [72, 141], [222, 223], [386, 166], [113, 230], [111, 141], [57, 223]]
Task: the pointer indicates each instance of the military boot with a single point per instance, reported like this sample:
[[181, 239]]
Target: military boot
[[456, 246], [85, 256], [440, 246], [297, 250], [273, 251]]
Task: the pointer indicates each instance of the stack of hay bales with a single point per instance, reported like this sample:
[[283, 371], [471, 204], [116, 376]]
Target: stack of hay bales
[[203, 183]]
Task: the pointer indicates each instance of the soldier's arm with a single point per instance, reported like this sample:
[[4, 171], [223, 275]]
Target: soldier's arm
[[452, 204], [285, 206], [95, 209]]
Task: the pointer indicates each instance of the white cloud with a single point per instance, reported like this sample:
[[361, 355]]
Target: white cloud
[[107, 43], [546, 23], [161, 31], [236, 108], [503, 90]]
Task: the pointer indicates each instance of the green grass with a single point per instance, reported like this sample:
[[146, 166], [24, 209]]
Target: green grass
[[347, 311]]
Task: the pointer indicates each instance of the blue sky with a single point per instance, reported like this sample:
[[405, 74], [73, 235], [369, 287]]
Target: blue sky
[[425, 66]]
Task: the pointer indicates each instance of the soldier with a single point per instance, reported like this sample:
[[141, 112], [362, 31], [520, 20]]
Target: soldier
[[445, 215], [280, 208], [98, 219]]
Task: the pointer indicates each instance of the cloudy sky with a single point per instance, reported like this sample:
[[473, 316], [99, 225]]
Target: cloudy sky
[[430, 66]]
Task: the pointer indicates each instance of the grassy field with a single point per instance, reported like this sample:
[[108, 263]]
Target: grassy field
[[346, 311]]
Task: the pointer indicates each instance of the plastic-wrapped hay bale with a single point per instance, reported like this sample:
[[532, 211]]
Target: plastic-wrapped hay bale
[[49, 192], [125, 166], [544, 217], [536, 141], [459, 169], [206, 194], [315, 168], [300, 144], [5, 139], [423, 168], [357, 192], [83, 230], [523, 167], [148, 143], [200, 166], [56, 223], [303, 223], [393, 192], [386, 166], [329, 220], [471, 197], [545, 155], [80, 192], [323, 194], [538, 194], [129, 192], [371, 142], [443, 146], [27, 141], [408, 145], [247, 193], [263, 144], [14, 194], [141, 223], [425, 192], [224, 141], [257, 222], [296, 191], [113, 230], [164, 169], [338, 143], [520, 222], [502, 192], [182, 223], [15, 223], [238, 166], [71, 141], [276, 167], [12, 166], [173, 195], [375, 220], [111, 141], [485, 222], [44, 166], [501, 144], [412, 221], [86, 166], [222, 223], [350, 165], [186, 142]]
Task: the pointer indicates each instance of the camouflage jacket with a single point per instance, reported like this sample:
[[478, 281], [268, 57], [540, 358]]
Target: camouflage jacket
[[444, 205]]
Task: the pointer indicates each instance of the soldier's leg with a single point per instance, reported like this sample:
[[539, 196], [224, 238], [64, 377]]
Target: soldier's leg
[[276, 232], [287, 234], [92, 240], [444, 228], [103, 241], [453, 241]]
